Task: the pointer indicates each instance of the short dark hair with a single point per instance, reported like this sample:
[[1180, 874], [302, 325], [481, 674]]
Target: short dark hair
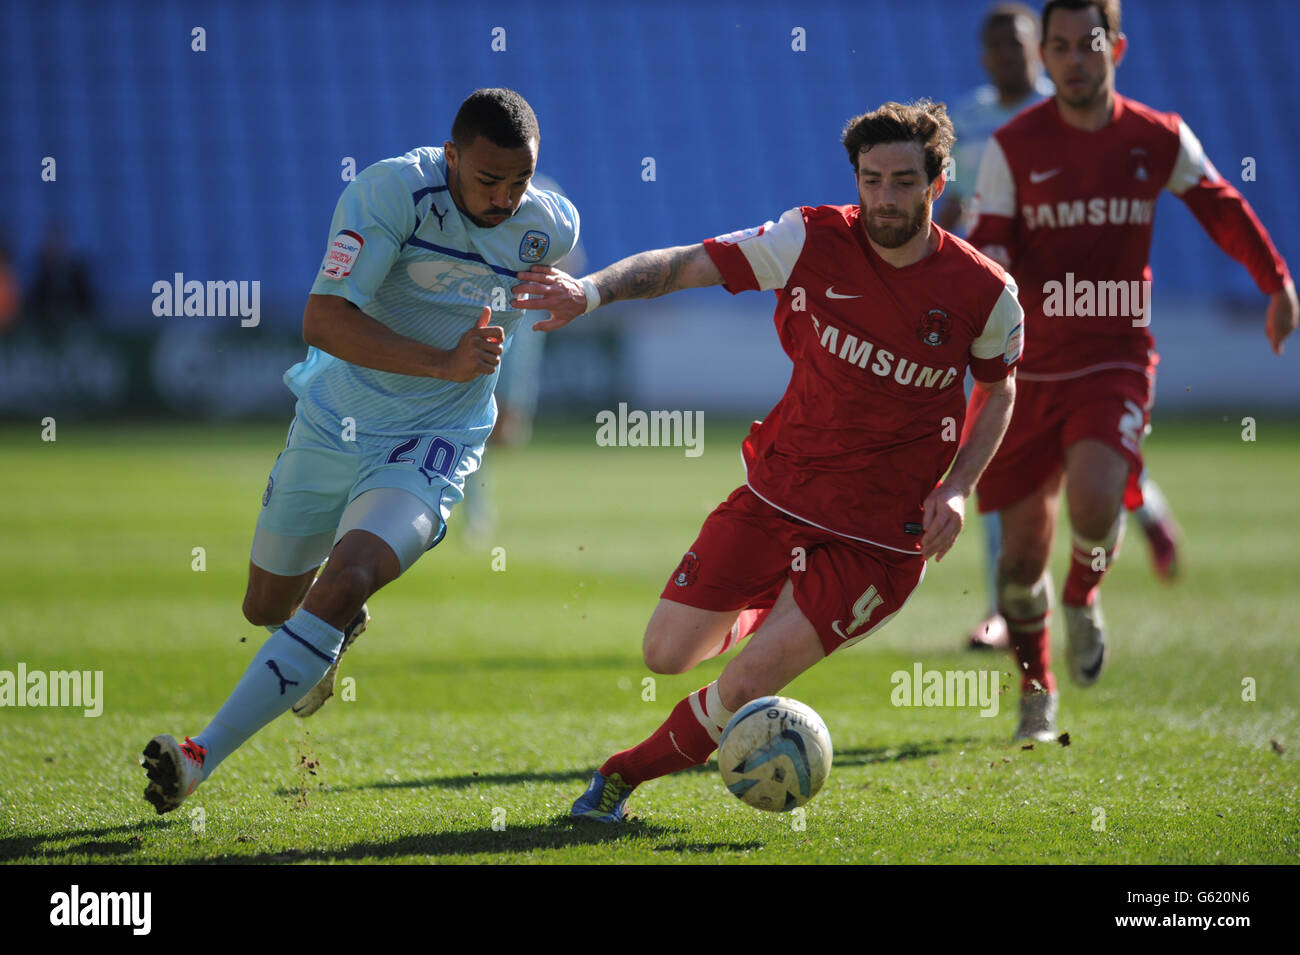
[[1001, 13], [502, 116], [1109, 10], [924, 122]]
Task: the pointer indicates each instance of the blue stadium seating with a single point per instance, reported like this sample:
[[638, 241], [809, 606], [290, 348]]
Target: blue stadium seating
[[226, 163]]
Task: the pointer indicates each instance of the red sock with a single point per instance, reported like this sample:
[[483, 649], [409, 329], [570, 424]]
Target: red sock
[[1081, 582], [680, 743], [1026, 610], [1033, 650], [1088, 565]]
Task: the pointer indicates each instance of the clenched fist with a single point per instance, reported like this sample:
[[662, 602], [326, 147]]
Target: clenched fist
[[477, 353]]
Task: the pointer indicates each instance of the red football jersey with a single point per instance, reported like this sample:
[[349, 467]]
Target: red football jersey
[[871, 418], [1072, 212]]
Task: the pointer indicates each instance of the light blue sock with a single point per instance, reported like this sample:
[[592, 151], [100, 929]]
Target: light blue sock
[[288, 665], [992, 550]]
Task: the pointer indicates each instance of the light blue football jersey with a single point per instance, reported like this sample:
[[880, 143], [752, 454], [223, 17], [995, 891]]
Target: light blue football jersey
[[402, 252]]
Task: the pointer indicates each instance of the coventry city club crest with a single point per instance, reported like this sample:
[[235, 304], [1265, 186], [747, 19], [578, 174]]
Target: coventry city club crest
[[534, 245]]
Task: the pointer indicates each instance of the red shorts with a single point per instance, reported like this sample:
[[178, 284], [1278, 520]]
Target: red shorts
[[1113, 407], [747, 549]]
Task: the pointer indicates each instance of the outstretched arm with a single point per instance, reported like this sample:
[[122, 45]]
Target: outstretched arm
[[1225, 214], [645, 275], [945, 506]]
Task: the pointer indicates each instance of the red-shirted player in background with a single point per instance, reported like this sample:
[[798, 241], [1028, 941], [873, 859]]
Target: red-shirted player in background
[[1065, 198], [881, 313]]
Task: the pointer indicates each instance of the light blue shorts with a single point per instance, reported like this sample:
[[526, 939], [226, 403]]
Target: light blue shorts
[[320, 473]]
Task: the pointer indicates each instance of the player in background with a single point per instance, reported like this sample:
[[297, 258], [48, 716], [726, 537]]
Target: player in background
[[1009, 54], [881, 313], [1065, 198], [395, 402]]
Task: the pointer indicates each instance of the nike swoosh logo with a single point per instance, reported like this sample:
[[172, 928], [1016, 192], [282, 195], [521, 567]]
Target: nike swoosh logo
[[835, 625], [831, 293], [1037, 177], [672, 738]]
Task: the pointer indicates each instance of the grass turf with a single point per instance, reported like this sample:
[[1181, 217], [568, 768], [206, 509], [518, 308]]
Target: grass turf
[[484, 698]]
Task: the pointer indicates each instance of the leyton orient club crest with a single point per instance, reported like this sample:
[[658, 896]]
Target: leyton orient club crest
[[687, 570], [1137, 163], [935, 327]]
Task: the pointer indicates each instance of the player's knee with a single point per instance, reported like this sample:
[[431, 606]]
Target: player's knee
[[1023, 567], [1093, 515], [263, 612], [253, 612], [342, 590], [661, 656]]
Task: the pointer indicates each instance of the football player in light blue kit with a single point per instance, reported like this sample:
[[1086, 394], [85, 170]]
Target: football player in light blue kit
[[395, 402]]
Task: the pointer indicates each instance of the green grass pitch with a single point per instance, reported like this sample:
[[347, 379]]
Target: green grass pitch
[[484, 698]]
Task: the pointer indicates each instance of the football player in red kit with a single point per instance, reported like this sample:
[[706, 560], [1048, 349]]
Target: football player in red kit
[[881, 313], [1065, 199]]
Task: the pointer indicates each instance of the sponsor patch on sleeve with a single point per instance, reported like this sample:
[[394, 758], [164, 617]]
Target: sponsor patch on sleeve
[[1011, 351], [731, 238], [342, 254]]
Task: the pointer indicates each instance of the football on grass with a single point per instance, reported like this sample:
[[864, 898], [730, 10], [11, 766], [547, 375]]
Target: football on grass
[[775, 753]]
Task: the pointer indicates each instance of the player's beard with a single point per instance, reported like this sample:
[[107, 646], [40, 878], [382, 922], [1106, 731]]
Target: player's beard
[[895, 232], [458, 197], [1091, 95]]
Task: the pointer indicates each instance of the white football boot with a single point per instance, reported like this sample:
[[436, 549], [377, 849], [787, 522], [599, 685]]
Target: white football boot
[[1085, 640], [1037, 718], [174, 770], [324, 689]]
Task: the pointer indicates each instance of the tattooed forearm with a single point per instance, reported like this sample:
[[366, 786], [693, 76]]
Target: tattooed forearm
[[655, 273]]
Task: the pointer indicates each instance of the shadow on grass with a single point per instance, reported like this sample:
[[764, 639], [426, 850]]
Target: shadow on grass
[[96, 845], [458, 782], [559, 833], [463, 781], [894, 753], [898, 752]]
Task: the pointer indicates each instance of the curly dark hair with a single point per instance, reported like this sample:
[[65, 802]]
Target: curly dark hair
[[924, 122]]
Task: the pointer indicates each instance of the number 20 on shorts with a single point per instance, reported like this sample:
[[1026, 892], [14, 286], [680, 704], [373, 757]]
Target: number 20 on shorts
[[440, 458]]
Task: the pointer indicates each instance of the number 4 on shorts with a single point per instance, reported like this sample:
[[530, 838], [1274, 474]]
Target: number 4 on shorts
[[862, 611]]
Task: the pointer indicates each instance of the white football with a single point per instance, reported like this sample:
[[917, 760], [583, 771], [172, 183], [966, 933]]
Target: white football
[[775, 753]]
